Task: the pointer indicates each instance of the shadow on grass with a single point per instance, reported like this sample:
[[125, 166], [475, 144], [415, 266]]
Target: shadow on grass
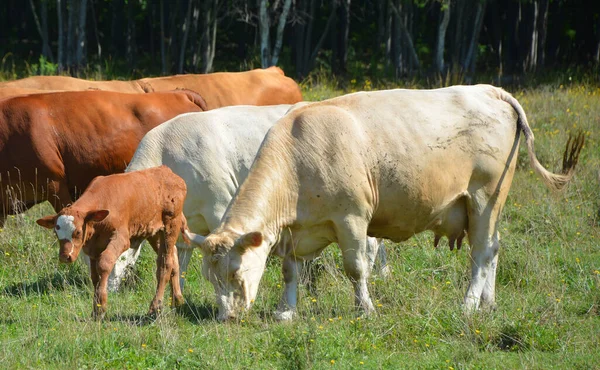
[[197, 313], [57, 282]]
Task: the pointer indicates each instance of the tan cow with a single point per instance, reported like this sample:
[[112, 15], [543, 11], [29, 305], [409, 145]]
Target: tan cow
[[67, 83], [52, 145], [8, 92], [387, 164], [117, 211], [256, 87]]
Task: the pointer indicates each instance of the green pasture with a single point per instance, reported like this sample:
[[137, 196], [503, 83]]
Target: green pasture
[[548, 288]]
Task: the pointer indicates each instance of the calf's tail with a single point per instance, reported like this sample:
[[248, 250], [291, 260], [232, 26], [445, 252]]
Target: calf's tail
[[555, 182], [185, 230]]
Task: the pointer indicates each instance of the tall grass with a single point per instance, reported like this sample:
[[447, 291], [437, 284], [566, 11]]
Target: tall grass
[[548, 292]]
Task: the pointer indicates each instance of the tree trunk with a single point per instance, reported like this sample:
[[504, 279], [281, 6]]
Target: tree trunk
[[411, 48], [81, 40], [209, 36], [61, 62], [279, 35], [71, 8], [532, 58], [263, 28], [441, 36], [42, 28], [163, 52], [344, 31], [469, 60], [186, 29], [131, 47], [95, 23], [542, 32]]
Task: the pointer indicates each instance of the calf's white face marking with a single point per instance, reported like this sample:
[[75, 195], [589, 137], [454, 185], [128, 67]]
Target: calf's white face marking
[[65, 227]]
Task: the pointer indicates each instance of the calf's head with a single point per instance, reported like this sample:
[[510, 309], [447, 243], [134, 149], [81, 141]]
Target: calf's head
[[234, 265], [71, 228]]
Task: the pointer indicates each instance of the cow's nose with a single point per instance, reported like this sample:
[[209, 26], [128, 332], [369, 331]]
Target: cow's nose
[[66, 258]]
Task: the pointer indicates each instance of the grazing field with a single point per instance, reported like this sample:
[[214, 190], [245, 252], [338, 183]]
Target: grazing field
[[548, 288]]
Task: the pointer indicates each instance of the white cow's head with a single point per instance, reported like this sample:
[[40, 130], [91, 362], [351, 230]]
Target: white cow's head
[[234, 264], [72, 229]]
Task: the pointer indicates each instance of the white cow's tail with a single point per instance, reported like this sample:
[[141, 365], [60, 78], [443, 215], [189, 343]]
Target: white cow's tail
[[555, 182]]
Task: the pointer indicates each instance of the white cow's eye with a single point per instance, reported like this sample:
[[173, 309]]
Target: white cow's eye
[[57, 227]]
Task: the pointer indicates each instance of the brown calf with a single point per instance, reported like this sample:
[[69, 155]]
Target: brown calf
[[117, 211]]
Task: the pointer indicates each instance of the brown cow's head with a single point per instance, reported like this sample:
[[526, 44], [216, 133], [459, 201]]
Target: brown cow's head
[[71, 228], [234, 265]]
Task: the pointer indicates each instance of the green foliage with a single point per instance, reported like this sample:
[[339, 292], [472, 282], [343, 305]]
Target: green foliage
[[43, 68], [548, 287]]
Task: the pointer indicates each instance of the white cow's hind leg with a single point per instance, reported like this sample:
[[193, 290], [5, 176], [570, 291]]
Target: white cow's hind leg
[[377, 257], [124, 263], [352, 238], [483, 237], [287, 305], [488, 296]]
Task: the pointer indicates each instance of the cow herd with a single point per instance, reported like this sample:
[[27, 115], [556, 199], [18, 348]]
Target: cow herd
[[260, 173]]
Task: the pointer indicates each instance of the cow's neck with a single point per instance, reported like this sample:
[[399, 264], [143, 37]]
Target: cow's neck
[[265, 202]]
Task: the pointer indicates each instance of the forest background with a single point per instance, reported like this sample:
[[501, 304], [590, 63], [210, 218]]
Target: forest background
[[430, 41]]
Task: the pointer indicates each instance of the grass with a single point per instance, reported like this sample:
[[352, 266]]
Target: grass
[[548, 288]]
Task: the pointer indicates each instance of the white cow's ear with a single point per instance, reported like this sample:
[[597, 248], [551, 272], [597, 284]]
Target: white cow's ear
[[48, 222], [97, 216], [253, 239]]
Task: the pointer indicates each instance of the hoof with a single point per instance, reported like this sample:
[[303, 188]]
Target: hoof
[[285, 315]]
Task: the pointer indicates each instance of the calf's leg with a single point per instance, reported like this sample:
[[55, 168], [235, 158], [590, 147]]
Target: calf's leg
[[167, 267], [100, 270]]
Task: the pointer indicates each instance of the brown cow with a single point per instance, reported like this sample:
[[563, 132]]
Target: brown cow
[[119, 210], [73, 84], [256, 87], [53, 145], [8, 92]]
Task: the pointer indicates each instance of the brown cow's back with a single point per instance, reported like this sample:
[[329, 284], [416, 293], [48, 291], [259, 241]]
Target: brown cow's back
[[257, 87], [68, 138], [72, 84], [8, 92]]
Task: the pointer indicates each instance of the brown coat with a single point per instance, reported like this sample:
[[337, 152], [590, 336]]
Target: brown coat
[[256, 87], [53, 145], [119, 210], [8, 92]]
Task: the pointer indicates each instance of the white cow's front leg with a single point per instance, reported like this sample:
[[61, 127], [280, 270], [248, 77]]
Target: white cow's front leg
[[353, 243], [287, 305], [184, 253], [124, 263]]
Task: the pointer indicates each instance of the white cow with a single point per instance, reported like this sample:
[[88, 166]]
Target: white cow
[[388, 164], [212, 152]]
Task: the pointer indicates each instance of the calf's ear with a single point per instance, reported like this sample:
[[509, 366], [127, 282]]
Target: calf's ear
[[97, 216], [48, 222], [253, 239]]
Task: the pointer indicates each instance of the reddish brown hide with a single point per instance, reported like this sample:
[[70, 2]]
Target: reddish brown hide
[[52, 145], [256, 87], [118, 211]]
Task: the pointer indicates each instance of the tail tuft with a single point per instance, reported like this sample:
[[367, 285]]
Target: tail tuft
[[572, 151]]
